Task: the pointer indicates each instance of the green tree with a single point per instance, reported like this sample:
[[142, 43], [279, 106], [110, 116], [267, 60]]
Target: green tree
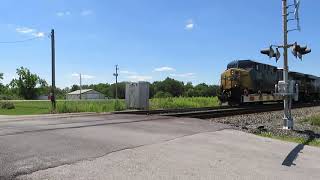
[[44, 88], [214, 89], [2, 87], [61, 93], [172, 86], [161, 94], [74, 88], [151, 90], [121, 90], [26, 83], [203, 90], [192, 93], [101, 87]]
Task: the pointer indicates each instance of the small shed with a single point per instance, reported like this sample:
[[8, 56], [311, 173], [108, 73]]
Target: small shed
[[86, 94]]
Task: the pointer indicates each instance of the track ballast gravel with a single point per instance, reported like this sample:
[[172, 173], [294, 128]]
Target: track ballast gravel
[[272, 122]]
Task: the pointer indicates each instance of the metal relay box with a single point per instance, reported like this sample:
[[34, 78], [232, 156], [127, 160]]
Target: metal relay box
[[137, 95], [293, 89]]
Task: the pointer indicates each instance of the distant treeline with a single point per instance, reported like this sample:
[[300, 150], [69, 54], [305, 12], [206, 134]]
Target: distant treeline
[[31, 86], [158, 89]]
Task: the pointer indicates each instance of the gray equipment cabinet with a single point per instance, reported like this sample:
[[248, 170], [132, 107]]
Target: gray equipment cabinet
[[137, 95]]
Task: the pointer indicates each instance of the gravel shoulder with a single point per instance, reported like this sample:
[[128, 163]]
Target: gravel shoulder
[[271, 122]]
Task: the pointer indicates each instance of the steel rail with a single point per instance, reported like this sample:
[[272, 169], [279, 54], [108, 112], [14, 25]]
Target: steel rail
[[215, 112]]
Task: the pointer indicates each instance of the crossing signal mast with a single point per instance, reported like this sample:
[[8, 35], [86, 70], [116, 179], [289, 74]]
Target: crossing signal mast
[[285, 87]]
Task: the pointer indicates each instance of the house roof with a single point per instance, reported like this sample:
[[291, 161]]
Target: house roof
[[77, 92]]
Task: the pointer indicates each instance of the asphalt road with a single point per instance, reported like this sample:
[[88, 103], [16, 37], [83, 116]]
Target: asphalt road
[[29, 144], [144, 147]]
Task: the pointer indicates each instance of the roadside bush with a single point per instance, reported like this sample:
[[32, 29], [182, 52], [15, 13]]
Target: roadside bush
[[9, 97], [315, 120], [7, 105], [118, 106], [90, 106], [162, 94], [183, 102]]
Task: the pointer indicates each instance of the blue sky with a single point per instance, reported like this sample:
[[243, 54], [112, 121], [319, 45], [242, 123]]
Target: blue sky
[[190, 40]]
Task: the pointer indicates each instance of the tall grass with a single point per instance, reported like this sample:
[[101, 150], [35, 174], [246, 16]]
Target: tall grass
[[90, 106], [27, 108], [183, 102], [300, 140], [44, 107], [313, 120]]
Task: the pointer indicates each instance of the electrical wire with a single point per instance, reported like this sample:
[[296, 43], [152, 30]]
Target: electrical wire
[[21, 41]]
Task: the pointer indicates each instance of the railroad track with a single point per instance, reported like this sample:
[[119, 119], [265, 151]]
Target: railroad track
[[171, 111], [215, 112]]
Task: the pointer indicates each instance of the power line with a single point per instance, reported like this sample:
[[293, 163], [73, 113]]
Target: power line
[[20, 41]]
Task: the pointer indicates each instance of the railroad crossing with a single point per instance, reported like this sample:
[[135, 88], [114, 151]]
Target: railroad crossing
[[127, 146]]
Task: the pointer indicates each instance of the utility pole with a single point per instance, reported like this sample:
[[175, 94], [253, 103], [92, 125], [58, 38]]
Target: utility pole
[[116, 75], [287, 119], [53, 65], [80, 86]]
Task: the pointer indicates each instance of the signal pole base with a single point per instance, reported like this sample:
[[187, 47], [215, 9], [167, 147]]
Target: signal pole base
[[287, 123]]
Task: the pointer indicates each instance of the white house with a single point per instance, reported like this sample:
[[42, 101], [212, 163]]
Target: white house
[[86, 94]]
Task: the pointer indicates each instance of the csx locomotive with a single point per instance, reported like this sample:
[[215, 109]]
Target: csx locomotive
[[247, 81]]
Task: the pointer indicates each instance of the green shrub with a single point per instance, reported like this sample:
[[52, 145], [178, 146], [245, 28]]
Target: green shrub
[[7, 105], [314, 120], [162, 94], [9, 97], [183, 102], [118, 106], [90, 106]]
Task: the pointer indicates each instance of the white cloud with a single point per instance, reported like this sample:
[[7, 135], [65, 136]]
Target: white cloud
[[139, 78], [83, 76], [127, 72], [134, 76], [25, 30], [184, 75], [165, 68], [38, 34], [189, 25], [60, 14], [86, 12], [75, 75], [63, 13], [30, 31]]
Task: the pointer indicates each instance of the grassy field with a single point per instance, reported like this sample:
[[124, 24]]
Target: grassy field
[[183, 102], [28, 108], [313, 120], [314, 142], [44, 107]]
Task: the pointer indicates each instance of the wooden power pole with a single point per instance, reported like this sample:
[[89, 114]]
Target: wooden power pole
[[116, 75], [53, 65]]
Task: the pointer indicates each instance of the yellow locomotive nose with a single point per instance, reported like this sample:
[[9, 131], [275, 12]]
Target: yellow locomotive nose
[[235, 78], [230, 79]]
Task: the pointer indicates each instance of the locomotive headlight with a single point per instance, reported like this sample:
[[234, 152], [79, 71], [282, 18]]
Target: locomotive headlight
[[232, 72]]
